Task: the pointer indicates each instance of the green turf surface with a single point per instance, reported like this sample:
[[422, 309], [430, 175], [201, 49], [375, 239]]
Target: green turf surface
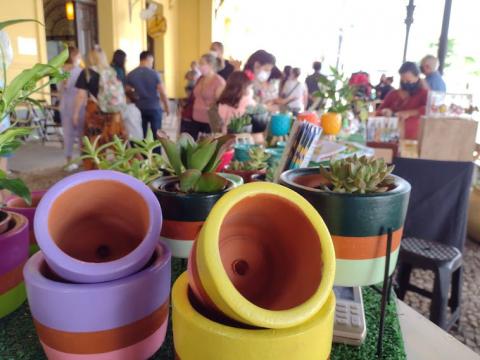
[[18, 340]]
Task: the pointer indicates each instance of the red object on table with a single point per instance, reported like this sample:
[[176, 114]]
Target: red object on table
[[310, 117], [227, 157]]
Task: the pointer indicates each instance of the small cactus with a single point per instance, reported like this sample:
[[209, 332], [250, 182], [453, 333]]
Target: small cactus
[[358, 175], [258, 160]]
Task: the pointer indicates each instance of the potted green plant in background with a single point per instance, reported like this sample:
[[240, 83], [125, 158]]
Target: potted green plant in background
[[259, 115], [360, 201], [187, 197], [14, 235], [257, 164], [240, 124]]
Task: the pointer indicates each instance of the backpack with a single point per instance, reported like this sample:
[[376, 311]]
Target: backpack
[[111, 94]]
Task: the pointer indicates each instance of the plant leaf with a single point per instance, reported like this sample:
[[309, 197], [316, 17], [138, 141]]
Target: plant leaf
[[223, 144], [202, 155], [173, 154], [4, 24], [210, 183], [188, 179], [16, 187]]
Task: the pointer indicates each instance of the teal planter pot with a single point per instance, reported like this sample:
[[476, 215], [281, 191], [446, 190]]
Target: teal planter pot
[[280, 124], [241, 152]]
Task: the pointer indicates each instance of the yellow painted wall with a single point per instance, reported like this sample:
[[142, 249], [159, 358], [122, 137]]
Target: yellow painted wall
[[117, 31], [24, 9]]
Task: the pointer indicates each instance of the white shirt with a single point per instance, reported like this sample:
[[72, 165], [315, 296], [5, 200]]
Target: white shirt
[[132, 118], [295, 89]]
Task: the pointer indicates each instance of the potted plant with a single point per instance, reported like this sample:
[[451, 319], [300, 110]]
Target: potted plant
[[140, 160], [202, 335], [245, 265], [360, 201], [125, 318], [14, 237], [240, 124], [257, 164], [187, 197], [336, 96]]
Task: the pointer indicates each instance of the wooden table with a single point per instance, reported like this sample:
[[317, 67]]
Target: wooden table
[[426, 341]]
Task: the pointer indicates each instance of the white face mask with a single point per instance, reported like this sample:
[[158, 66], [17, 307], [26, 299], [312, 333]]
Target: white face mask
[[262, 75]]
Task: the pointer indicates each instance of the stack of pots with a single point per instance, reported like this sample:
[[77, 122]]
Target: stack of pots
[[99, 289], [18, 205], [259, 282], [13, 255]]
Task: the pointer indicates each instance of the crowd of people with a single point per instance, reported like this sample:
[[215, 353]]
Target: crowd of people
[[102, 100]]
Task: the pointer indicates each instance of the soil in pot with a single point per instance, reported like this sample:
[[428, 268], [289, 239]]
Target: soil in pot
[[104, 226], [5, 218]]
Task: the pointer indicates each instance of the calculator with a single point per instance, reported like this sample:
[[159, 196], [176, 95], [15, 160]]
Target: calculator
[[349, 327]]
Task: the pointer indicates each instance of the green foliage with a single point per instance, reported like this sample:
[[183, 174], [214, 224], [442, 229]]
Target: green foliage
[[195, 162], [20, 90], [358, 175], [258, 109], [335, 92], [139, 161], [237, 124], [258, 160]]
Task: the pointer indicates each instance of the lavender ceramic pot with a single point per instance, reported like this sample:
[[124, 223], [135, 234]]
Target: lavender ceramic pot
[[18, 205], [120, 319], [13, 254], [97, 226]]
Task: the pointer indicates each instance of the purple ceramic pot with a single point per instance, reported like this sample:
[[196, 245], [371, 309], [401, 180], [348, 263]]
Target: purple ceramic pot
[[97, 226], [18, 205], [109, 319], [13, 254]]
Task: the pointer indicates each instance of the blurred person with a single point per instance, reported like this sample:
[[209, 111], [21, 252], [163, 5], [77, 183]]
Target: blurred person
[[235, 98], [192, 76], [118, 64], [287, 71], [225, 67], [98, 123], [132, 117], [312, 82], [68, 93], [429, 67], [150, 92], [292, 95], [206, 93], [259, 67], [383, 90], [407, 103]]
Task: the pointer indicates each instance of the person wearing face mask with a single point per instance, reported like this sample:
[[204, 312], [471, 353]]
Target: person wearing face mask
[[206, 93], [259, 66], [68, 92], [407, 103], [429, 67]]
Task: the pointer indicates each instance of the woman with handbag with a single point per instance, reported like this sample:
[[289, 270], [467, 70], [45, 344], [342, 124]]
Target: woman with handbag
[[104, 96], [292, 96]]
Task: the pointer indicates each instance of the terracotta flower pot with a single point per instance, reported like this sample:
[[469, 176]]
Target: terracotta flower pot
[[200, 335], [310, 117], [331, 123], [183, 214], [358, 224], [18, 205], [98, 226], [120, 319], [246, 175], [264, 257], [13, 254], [474, 215]]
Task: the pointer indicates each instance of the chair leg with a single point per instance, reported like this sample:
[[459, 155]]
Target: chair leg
[[456, 294], [404, 271], [438, 308]]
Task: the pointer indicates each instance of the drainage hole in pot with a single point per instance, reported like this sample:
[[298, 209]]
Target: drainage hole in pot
[[103, 251], [240, 267]]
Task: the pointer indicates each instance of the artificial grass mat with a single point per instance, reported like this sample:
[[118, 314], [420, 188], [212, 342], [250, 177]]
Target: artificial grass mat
[[18, 340]]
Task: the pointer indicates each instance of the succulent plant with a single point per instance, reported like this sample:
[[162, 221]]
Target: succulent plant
[[358, 175], [139, 161], [258, 160], [237, 124], [195, 162]]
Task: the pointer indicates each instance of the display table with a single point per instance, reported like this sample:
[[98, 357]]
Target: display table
[[424, 340]]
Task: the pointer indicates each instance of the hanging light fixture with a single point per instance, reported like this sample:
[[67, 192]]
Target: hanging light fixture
[[70, 10]]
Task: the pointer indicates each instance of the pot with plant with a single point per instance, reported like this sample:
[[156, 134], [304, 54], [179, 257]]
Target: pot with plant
[[336, 96], [187, 197], [14, 235], [360, 201], [240, 124], [257, 164], [259, 115]]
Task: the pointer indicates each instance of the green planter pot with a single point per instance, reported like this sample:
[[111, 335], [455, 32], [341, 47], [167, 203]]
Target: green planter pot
[[358, 225], [183, 214]]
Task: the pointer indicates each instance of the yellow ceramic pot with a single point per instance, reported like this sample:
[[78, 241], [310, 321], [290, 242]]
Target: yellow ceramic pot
[[331, 123], [198, 337], [264, 257], [474, 215]]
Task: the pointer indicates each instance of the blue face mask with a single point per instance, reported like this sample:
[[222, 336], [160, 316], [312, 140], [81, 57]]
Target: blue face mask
[[410, 87]]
